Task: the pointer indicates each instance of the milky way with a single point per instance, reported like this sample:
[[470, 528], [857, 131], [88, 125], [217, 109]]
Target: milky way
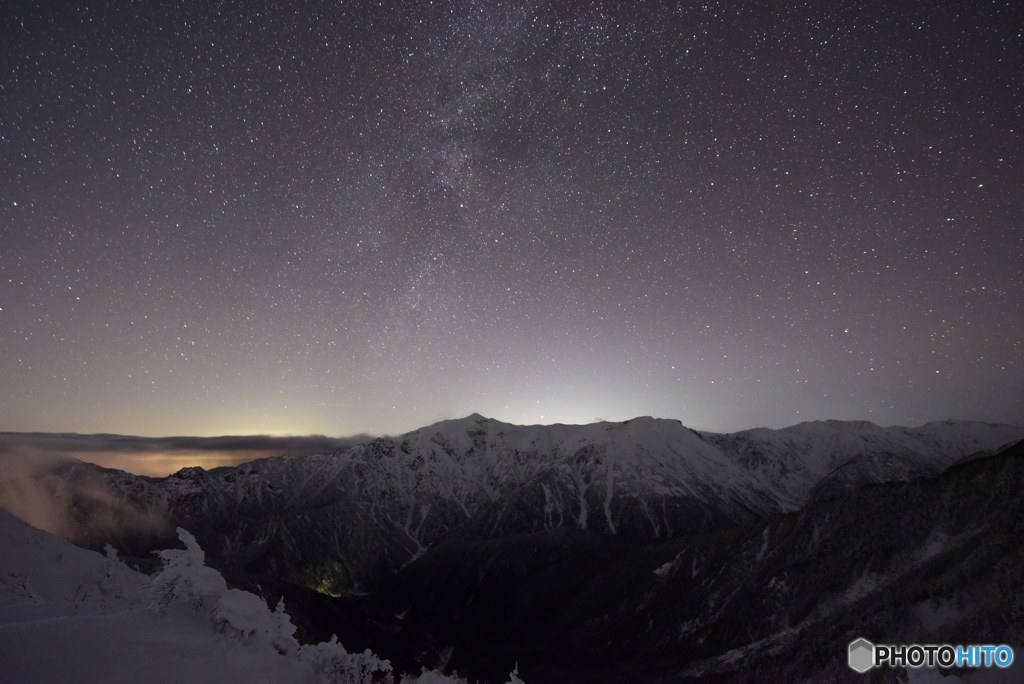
[[244, 217]]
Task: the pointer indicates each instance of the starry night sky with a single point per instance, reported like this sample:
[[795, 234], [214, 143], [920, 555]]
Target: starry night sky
[[347, 217]]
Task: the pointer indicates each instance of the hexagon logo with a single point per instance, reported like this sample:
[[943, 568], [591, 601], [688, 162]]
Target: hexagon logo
[[862, 655]]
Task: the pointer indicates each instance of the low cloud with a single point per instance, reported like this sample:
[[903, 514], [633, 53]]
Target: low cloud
[[70, 499], [44, 481], [160, 456]]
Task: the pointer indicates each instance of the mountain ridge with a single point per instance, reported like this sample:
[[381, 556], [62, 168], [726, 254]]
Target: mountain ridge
[[350, 518], [423, 537], [357, 515]]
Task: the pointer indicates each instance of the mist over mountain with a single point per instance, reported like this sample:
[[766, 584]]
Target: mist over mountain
[[635, 551]]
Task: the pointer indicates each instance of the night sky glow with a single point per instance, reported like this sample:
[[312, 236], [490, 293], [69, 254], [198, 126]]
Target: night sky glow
[[360, 217]]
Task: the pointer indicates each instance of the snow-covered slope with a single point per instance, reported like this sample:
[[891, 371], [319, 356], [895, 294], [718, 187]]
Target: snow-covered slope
[[68, 614], [932, 561], [340, 522], [593, 473], [346, 522], [336, 521], [821, 458], [580, 473], [72, 615]]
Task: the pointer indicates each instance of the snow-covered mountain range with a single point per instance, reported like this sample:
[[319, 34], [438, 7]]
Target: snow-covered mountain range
[[818, 459], [339, 522], [475, 544]]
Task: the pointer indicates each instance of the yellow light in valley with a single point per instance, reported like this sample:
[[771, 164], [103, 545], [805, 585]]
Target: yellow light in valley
[[162, 463]]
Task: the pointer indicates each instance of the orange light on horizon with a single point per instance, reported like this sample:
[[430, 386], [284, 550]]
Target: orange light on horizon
[[163, 463]]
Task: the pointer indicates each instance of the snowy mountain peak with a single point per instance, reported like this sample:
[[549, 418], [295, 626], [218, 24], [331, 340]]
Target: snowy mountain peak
[[342, 520], [818, 457], [836, 425]]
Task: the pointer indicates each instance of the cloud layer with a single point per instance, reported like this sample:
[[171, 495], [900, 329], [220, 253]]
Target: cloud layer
[[44, 482], [160, 456]]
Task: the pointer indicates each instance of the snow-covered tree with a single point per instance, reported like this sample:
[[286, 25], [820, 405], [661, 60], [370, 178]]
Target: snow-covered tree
[[244, 617], [338, 666], [185, 577]]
